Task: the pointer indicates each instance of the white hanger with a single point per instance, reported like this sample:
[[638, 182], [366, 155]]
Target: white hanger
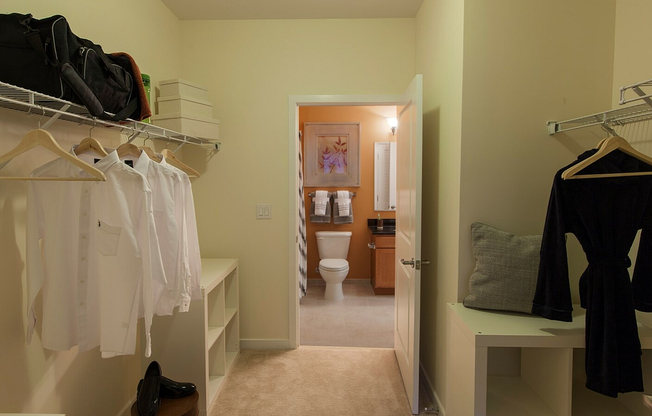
[[44, 139], [607, 146]]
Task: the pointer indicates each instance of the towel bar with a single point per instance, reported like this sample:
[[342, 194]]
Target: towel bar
[[312, 194]]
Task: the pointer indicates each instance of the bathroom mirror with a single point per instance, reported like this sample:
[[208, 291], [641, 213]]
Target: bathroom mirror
[[385, 176]]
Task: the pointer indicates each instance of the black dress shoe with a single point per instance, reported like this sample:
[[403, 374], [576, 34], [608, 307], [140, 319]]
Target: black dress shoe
[[171, 389], [148, 393]]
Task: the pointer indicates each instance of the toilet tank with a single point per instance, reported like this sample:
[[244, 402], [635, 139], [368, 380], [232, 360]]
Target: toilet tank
[[333, 244]]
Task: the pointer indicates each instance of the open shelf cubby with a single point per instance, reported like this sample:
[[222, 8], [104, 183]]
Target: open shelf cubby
[[504, 364], [201, 345]]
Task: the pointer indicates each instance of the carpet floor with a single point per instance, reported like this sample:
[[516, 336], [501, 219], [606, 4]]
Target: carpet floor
[[315, 381]]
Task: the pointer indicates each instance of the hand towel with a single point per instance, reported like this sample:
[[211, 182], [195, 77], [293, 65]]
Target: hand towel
[[344, 203], [343, 219], [320, 200], [320, 219]]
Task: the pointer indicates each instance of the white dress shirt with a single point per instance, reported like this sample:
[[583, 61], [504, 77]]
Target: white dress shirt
[[98, 261], [168, 206], [192, 238]]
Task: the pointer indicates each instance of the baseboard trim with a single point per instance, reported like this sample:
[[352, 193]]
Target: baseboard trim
[[126, 411], [431, 391], [265, 344]]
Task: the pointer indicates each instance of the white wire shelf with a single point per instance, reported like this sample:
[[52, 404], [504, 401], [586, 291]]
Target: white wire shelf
[[21, 99], [617, 117]]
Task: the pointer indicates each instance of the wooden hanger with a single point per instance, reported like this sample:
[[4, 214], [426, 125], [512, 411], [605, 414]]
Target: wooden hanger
[[44, 139], [608, 146], [149, 152], [128, 149], [172, 160], [89, 144]]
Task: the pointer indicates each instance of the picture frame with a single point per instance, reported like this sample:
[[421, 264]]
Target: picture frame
[[332, 154]]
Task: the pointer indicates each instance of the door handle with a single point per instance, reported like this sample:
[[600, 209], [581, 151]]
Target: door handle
[[372, 246], [408, 262], [415, 263]]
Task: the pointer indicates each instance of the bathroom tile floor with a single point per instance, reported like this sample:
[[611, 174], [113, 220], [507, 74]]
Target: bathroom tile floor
[[361, 319]]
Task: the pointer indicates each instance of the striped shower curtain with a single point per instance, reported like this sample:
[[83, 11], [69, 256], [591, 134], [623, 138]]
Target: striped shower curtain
[[303, 241]]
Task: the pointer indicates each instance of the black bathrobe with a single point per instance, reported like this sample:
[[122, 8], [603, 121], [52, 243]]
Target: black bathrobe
[[605, 215]]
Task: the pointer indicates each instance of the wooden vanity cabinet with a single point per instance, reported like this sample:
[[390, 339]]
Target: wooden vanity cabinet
[[383, 267]]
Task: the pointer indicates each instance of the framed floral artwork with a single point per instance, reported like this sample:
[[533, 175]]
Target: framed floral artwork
[[332, 154]]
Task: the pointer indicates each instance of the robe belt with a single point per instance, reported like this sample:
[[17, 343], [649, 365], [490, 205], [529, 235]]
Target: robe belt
[[624, 261]]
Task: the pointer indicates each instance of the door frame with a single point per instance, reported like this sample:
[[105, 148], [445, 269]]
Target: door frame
[[293, 222]]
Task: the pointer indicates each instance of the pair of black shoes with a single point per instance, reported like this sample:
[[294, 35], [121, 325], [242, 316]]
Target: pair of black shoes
[[153, 386]]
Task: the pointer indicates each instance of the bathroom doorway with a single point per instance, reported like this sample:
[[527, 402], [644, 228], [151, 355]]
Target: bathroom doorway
[[364, 317]]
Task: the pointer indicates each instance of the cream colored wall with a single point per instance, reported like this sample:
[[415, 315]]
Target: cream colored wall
[[526, 63], [632, 64], [523, 63], [33, 379], [439, 40], [632, 60], [250, 69]]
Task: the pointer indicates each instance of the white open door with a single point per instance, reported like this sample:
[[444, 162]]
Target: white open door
[[408, 238]]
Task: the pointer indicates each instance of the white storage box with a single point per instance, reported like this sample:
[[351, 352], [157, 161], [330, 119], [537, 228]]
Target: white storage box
[[203, 127], [179, 104], [183, 88]]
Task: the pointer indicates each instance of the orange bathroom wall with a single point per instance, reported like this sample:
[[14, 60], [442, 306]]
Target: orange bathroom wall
[[373, 128]]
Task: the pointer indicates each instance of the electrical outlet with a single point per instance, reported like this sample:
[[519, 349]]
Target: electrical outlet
[[263, 212]]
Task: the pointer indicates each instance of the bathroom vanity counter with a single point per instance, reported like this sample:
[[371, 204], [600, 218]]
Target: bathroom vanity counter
[[389, 226]]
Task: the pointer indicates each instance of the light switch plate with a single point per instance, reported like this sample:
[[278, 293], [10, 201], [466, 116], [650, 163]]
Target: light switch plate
[[263, 211]]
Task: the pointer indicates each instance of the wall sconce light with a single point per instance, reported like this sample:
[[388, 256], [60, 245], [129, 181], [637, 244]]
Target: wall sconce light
[[393, 123]]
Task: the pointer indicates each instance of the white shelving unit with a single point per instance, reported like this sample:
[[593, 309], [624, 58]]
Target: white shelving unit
[[551, 379], [202, 345]]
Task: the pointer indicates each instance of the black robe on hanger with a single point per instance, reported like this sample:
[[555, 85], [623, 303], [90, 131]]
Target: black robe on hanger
[[605, 215]]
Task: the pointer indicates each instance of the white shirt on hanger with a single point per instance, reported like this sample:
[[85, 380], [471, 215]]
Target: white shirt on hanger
[[192, 238], [98, 262], [168, 206]]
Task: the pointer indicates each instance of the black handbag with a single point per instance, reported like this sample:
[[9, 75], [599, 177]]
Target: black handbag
[[45, 56]]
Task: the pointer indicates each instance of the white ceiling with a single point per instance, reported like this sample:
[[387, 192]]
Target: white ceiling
[[291, 9]]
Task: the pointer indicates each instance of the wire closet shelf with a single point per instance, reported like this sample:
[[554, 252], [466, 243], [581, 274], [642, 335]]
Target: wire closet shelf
[[21, 99], [616, 117]]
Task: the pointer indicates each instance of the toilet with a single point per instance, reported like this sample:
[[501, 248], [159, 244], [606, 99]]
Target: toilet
[[333, 249]]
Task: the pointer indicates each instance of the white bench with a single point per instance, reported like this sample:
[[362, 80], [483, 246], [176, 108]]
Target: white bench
[[551, 379]]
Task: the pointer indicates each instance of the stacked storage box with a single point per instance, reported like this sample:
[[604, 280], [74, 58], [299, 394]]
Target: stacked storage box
[[184, 107]]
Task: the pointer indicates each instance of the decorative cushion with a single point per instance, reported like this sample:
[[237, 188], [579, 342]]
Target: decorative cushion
[[506, 269]]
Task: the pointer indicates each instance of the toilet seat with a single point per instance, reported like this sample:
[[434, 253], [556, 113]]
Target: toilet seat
[[333, 265]]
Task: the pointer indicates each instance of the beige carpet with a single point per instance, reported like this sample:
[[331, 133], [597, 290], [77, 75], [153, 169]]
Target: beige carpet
[[314, 381]]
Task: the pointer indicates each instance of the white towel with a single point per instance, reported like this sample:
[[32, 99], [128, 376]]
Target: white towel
[[320, 199], [343, 203]]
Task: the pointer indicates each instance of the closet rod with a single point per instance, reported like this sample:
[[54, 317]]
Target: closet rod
[[21, 99], [312, 194]]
